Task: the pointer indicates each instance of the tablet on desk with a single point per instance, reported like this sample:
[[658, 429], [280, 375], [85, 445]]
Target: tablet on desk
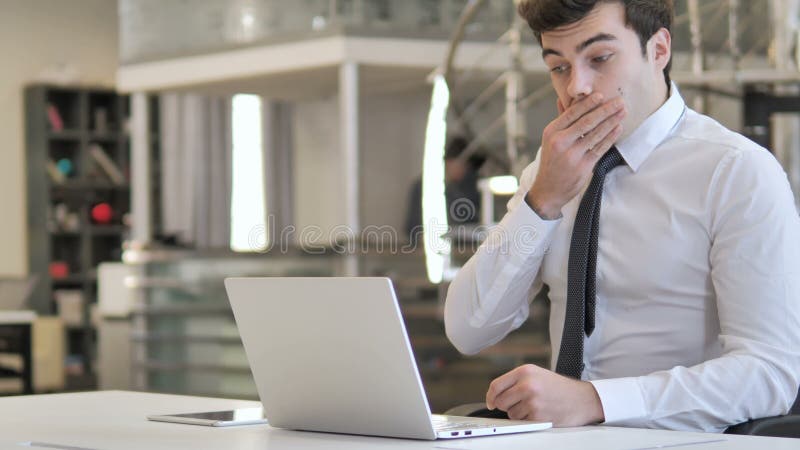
[[241, 416]]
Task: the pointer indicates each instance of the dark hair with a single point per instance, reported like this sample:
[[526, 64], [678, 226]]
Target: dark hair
[[645, 17], [456, 147]]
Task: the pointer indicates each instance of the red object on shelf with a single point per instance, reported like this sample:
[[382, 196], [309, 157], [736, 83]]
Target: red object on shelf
[[102, 213], [59, 269], [56, 124]]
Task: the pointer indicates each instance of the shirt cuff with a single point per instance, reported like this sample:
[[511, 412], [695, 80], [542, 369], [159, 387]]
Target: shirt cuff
[[621, 398], [523, 234]]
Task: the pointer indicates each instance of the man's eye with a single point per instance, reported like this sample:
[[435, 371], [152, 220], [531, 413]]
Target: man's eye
[[559, 69], [603, 58]]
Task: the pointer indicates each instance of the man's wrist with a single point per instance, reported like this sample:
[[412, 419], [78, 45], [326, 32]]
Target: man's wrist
[[594, 408], [544, 211]]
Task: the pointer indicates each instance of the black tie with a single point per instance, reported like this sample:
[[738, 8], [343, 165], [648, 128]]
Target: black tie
[[582, 269]]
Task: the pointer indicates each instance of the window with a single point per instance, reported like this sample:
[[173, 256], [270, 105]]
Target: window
[[248, 207]]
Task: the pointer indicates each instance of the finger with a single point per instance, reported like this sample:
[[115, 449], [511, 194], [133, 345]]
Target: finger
[[520, 411], [576, 111], [592, 140], [500, 385], [511, 397], [592, 119], [598, 151]]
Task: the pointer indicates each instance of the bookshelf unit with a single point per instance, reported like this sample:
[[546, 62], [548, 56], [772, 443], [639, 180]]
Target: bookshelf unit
[[78, 179]]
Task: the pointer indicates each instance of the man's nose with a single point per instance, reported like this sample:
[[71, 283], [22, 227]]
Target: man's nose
[[580, 84]]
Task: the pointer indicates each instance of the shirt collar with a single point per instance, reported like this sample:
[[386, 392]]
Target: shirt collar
[[638, 146]]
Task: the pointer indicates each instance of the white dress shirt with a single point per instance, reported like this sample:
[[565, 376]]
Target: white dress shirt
[[698, 278]]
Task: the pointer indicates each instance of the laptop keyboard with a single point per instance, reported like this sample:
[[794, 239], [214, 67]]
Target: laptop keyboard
[[447, 423]]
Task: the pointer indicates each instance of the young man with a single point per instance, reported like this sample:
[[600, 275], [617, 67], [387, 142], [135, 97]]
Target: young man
[[677, 304]]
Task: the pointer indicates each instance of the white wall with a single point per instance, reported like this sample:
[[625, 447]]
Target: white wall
[[392, 147], [36, 35], [318, 183], [392, 133]]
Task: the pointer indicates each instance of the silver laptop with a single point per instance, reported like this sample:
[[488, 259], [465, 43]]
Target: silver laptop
[[332, 355]]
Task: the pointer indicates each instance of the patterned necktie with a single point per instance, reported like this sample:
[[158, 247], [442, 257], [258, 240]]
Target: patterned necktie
[[582, 269]]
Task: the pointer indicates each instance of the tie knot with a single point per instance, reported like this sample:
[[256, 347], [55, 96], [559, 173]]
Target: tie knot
[[612, 158]]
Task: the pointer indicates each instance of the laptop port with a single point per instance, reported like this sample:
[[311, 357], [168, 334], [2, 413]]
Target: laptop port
[[468, 433], [454, 433]]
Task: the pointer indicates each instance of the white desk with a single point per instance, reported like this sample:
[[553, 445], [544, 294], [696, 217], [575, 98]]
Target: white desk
[[116, 420]]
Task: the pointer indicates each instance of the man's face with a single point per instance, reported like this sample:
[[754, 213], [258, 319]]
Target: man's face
[[600, 54], [454, 170]]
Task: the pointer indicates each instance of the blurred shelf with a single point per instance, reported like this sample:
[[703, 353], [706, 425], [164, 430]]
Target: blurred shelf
[[65, 135], [104, 136], [65, 233], [87, 186], [107, 230], [88, 276], [69, 280], [83, 116]]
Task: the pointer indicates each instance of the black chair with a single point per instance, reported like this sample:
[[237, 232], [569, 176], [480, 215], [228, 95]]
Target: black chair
[[787, 426]]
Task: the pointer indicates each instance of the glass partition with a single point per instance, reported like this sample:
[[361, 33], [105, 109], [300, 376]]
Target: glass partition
[[184, 339], [159, 29]]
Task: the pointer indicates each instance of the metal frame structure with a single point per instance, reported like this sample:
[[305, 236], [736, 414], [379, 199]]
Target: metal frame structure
[[776, 71], [782, 67], [782, 58]]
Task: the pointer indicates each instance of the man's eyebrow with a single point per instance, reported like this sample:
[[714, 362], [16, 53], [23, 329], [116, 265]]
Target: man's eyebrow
[[598, 38], [582, 46], [550, 51]]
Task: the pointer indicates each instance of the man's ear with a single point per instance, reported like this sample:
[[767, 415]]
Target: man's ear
[[661, 48]]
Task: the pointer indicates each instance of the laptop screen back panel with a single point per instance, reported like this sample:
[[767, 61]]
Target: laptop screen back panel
[[331, 354]]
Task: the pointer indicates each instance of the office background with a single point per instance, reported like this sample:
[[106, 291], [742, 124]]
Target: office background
[[152, 148]]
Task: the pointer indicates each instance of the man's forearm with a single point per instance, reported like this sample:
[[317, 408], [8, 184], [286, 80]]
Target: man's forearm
[[490, 294], [707, 397]]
